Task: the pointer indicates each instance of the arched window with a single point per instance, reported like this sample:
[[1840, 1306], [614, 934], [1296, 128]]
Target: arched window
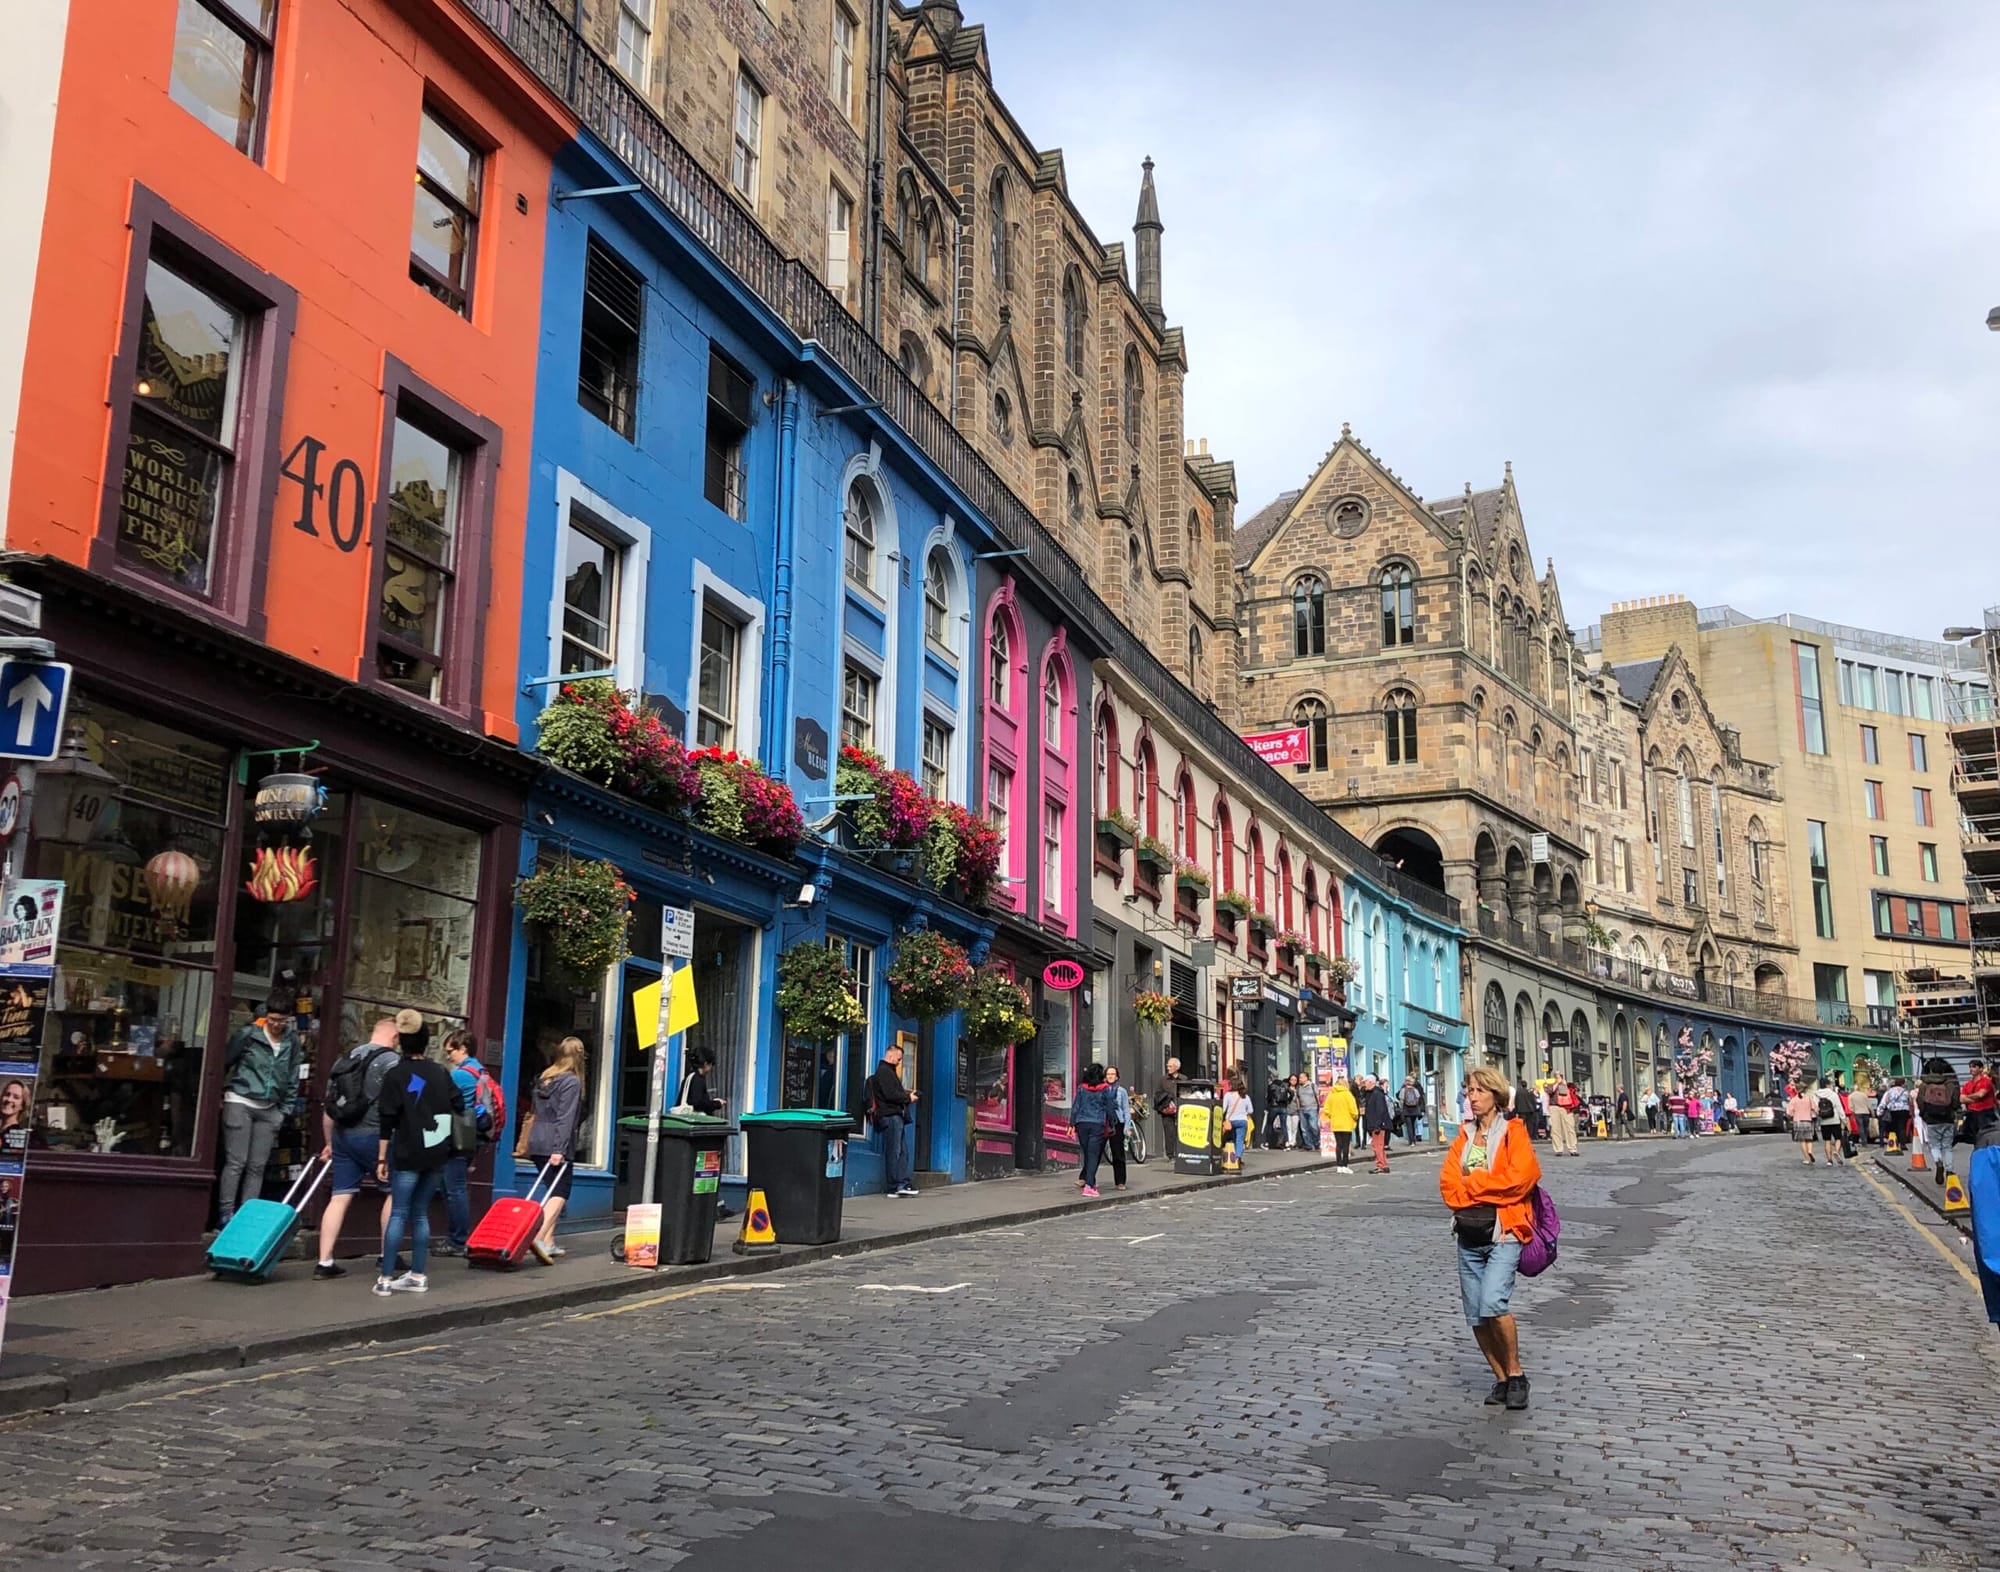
[[1052, 706], [929, 248], [937, 599], [1135, 391], [1194, 658], [860, 526], [1754, 834], [1378, 965], [1003, 420], [1104, 755], [1074, 498], [1194, 531], [1284, 911], [1146, 788], [1310, 886], [1309, 616], [1225, 848], [1000, 665], [915, 363], [1253, 871], [1311, 714], [1684, 801], [1399, 624], [909, 218], [1184, 819], [1072, 319], [1399, 727], [1134, 560], [996, 218]]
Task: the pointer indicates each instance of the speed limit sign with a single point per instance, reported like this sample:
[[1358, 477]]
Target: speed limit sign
[[10, 806]]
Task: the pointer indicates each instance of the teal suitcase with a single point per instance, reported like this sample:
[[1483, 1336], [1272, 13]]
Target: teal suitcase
[[261, 1231]]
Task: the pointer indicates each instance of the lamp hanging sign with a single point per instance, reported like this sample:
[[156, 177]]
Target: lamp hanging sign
[[1290, 746]]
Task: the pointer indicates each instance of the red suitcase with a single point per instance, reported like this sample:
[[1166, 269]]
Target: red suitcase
[[502, 1237]]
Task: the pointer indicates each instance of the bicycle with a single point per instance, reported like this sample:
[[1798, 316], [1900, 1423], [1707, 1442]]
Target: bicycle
[[1135, 1137]]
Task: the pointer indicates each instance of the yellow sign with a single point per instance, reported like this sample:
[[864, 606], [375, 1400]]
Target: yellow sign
[[1196, 1122], [646, 1013], [682, 1011], [1955, 1198]]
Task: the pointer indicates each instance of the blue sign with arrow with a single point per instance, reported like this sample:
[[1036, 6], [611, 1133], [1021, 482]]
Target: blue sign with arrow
[[34, 698]]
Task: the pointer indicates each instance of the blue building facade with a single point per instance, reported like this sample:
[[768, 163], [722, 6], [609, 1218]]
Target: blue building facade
[[1405, 994]]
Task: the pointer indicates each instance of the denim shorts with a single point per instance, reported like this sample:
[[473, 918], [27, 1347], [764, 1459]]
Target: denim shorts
[[1486, 1277], [354, 1157]]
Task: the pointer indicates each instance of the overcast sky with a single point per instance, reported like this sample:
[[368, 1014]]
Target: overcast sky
[[1713, 276]]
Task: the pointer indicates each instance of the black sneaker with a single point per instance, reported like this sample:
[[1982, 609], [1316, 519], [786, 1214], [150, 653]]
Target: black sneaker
[[448, 1248], [1517, 1392], [1498, 1395], [327, 1269]]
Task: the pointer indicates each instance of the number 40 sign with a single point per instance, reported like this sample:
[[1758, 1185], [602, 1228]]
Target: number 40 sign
[[343, 492]]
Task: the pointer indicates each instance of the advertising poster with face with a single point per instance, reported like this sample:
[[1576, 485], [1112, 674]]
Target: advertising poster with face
[[17, 1106]]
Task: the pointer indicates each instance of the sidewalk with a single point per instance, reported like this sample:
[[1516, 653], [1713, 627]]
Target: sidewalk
[[66, 1348], [1918, 1182]]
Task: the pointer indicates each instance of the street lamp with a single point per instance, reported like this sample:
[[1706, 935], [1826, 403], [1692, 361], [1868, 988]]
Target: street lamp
[[1953, 635], [1993, 320]]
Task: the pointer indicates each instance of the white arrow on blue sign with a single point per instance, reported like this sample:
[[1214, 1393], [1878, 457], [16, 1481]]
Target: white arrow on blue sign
[[34, 698]]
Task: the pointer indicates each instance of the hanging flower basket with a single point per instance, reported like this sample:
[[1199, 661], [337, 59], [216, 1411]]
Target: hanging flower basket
[[998, 1011], [1153, 1009], [816, 993], [929, 977], [581, 910]]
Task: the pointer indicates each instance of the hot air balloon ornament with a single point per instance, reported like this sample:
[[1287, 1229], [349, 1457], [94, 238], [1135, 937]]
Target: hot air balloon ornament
[[172, 877], [281, 873]]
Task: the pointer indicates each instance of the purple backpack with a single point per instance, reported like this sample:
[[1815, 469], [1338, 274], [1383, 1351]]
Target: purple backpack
[[1538, 1254]]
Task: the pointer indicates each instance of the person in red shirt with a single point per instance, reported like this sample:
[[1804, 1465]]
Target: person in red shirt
[[1979, 1101]]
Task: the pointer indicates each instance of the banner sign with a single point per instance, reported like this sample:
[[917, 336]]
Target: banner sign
[[1290, 746], [28, 927], [17, 1109]]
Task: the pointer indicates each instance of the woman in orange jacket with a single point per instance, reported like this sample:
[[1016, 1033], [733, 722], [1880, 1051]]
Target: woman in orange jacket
[[1487, 1178]]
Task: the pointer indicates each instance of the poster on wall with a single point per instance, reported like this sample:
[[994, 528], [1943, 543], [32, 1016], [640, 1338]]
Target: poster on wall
[[17, 1106], [29, 925]]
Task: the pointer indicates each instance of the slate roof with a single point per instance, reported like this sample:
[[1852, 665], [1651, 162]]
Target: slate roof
[[1485, 512], [1253, 532], [1636, 678]]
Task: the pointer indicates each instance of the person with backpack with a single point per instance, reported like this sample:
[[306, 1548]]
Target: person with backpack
[[892, 1106], [1376, 1117], [1939, 1100], [260, 1085], [1413, 1103], [347, 1129], [413, 1143], [1488, 1180], [481, 1122], [550, 1137], [1278, 1095], [1829, 1119], [1091, 1115], [1894, 1110], [1563, 1104]]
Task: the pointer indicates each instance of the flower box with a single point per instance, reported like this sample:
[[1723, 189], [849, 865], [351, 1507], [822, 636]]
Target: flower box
[[1154, 857], [1116, 830], [1262, 926], [1191, 881]]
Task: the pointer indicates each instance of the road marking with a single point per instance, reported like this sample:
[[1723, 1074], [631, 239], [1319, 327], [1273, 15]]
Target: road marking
[[910, 1288], [1130, 1239], [289, 1370], [1937, 1244], [663, 1299]]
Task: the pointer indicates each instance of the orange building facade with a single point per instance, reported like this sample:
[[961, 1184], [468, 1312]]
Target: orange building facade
[[269, 474]]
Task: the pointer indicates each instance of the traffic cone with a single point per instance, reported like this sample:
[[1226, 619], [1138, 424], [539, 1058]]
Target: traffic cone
[[1917, 1156], [1955, 1198], [758, 1237]]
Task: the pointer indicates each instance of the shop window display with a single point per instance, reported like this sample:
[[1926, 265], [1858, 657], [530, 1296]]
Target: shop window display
[[413, 920], [1058, 1045], [133, 819]]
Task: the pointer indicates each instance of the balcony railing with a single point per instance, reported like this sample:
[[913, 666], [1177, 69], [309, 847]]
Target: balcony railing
[[550, 48]]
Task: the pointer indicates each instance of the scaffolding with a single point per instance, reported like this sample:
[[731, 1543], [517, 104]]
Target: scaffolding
[[1975, 782]]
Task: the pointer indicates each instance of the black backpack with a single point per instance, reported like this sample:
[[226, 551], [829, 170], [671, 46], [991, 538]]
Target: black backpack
[[347, 1096], [1829, 1110], [1937, 1100]]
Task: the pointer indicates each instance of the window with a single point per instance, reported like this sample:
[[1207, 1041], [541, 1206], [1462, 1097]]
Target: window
[[1311, 714], [1923, 698], [1135, 570], [1830, 992], [1684, 802], [1757, 845], [937, 599], [1812, 723], [857, 708], [444, 226], [1913, 917], [1135, 389], [1822, 882], [1878, 848], [1846, 682], [1895, 691], [1926, 861], [999, 786], [423, 502], [1590, 858], [1715, 834], [1870, 753], [607, 368], [716, 684], [1622, 801], [749, 137], [1587, 766], [1398, 607], [937, 759], [591, 563], [996, 219], [1104, 779], [1075, 499], [1871, 798], [1309, 616], [999, 664], [840, 71], [1052, 855], [859, 548], [841, 274], [1399, 728], [1052, 707], [1947, 920], [1621, 866], [1920, 753], [1690, 887], [1003, 420], [1184, 827], [915, 363], [724, 474], [222, 66], [1864, 688], [185, 433], [1920, 797], [1072, 321], [1194, 662], [635, 40], [1145, 782]]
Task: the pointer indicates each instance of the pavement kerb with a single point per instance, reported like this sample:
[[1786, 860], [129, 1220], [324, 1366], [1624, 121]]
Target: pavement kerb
[[22, 1395], [1926, 1189]]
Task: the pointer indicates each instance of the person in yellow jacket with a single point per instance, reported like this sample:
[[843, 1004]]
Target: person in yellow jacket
[[1339, 1113]]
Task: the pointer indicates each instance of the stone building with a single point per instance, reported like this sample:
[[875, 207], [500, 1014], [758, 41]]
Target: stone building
[[871, 142]]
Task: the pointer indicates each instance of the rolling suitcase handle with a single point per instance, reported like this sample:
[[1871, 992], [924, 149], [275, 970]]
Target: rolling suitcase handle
[[307, 1182], [549, 1169]]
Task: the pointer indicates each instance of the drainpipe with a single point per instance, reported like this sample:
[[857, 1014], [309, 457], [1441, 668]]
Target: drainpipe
[[778, 717], [878, 145]]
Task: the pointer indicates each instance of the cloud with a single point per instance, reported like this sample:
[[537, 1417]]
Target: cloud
[[1711, 276]]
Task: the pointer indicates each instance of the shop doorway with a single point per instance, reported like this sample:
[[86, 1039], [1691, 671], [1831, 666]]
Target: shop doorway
[[725, 958]]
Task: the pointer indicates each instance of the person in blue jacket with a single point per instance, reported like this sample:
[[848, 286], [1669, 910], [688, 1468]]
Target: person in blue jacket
[[1091, 1114]]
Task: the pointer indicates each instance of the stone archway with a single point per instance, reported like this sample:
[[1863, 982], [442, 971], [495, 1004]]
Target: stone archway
[[1414, 852]]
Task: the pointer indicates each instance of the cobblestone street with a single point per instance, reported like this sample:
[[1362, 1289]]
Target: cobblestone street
[[1271, 1377]]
